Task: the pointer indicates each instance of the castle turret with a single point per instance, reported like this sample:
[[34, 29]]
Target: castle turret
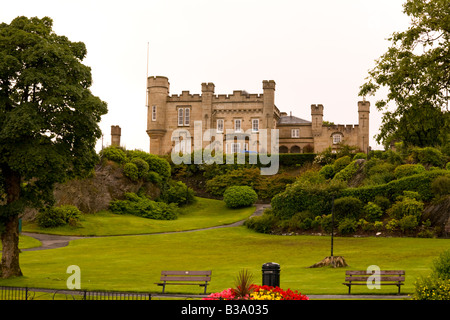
[[269, 103], [363, 136], [316, 119], [207, 96], [158, 91], [115, 136]]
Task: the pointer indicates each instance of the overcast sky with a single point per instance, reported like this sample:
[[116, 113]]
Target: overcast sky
[[318, 52]]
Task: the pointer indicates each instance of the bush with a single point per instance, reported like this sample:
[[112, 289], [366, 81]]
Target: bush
[[360, 155], [405, 170], [239, 196], [327, 171], [347, 207], [131, 171], [178, 193], [441, 265], [373, 212], [243, 177], [408, 223], [447, 166], [406, 206], [155, 163], [341, 163], [58, 216], [144, 207], [382, 202], [431, 288], [441, 186], [428, 156], [348, 172], [114, 154], [262, 224], [347, 226], [141, 165]]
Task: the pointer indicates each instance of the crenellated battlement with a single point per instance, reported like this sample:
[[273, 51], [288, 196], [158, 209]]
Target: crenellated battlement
[[236, 96], [342, 127]]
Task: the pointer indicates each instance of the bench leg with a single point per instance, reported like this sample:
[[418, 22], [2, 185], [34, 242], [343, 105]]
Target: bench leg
[[206, 285], [164, 287], [349, 288]]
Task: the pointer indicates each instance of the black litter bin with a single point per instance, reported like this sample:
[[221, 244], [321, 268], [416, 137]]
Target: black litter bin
[[271, 274]]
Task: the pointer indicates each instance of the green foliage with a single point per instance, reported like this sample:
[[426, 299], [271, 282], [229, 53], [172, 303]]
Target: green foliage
[[141, 165], [415, 79], [441, 186], [360, 155], [372, 211], [242, 177], [131, 171], [115, 154], [327, 171], [58, 216], [178, 193], [155, 163], [262, 224], [347, 226], [406, 206], [428, 156], [408, 170], [341, 163], [144, 207], [239, 196], [408, 223], [447, 166], [348, 172], [347, 207], [441, 265]]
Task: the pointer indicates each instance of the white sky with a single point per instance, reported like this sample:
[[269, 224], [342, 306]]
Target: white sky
[[316, 51]]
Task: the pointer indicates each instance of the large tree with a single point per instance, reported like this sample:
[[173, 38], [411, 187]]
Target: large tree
[[48, 122], [416, 71]]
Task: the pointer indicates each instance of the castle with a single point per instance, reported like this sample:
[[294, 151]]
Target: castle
[[171, 120]]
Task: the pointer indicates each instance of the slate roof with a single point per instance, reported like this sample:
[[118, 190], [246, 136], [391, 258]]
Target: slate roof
[[291, 120]]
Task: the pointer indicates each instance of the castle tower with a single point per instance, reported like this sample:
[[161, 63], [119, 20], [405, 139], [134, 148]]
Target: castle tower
[[363, 125], [316, 119], [157, 91], [269, 103], [115, 136], [207, 96]]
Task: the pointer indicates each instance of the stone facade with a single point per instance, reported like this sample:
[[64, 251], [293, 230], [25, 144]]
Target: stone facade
[[172, 118]]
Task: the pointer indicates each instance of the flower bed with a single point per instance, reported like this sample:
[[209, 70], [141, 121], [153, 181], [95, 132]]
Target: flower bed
[[258, 293]]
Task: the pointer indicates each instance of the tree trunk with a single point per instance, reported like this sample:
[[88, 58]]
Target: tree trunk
[[10, 240], [10, 237]]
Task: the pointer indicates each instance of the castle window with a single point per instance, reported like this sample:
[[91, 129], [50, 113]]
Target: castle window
[[235, 147], [187, 116], [219, 125], [153, 113], [337, 138], [255, 125], [237, 125], [295, 133], [180, 117]]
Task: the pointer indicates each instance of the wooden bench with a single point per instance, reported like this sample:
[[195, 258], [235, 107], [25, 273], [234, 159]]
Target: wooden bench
[[387, 277], [199, 278]]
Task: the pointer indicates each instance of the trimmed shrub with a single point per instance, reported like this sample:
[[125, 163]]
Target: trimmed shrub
[[428, 156], [58, 216], [407, 206], [408, 223], [239, 196], [114, 154], [441, 186], [327, 171], [142, 166], [144, 207], [348, 172], [262, 224], [405, 170], [347, 207], [347, 226], [178, 193], [360, 155], [155, 163], [131, 171], [373, 212], [441, 265], [341, 163]]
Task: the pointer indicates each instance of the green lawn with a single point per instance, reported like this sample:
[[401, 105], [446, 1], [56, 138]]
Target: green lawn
[[134, 262], [202, 214]]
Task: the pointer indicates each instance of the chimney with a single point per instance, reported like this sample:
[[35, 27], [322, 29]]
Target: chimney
[[115, 136]]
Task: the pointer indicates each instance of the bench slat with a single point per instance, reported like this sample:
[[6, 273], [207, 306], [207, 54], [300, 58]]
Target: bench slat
[[177, 278], [186, 273], [382, 272], [382, 279]]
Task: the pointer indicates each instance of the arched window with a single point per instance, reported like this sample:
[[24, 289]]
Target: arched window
[[283, 149], [295, 149]]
